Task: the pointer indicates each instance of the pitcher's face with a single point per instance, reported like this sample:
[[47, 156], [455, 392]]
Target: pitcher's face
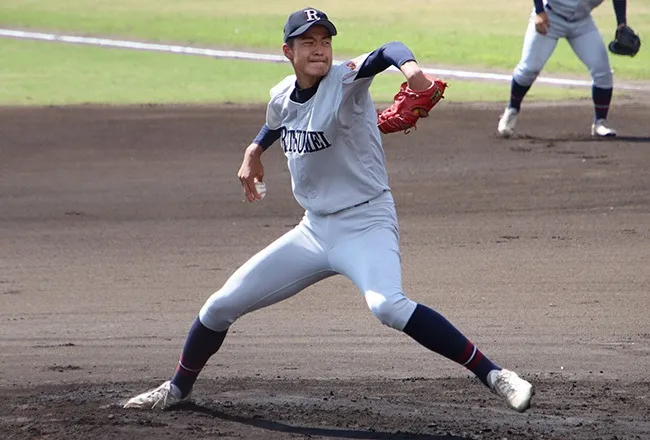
[[310, 54]]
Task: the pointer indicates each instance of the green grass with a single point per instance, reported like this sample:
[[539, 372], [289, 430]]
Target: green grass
[[51, 73], [463, 33], [41, 73]]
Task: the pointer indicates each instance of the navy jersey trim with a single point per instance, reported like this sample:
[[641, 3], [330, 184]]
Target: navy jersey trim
[[390, 54], [301, 96], [266, 137]]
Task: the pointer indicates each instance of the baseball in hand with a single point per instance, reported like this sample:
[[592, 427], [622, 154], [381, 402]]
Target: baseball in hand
[[261, 189]]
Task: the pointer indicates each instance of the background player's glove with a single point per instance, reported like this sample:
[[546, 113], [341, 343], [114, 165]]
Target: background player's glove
[[409, 106], [626, 42]]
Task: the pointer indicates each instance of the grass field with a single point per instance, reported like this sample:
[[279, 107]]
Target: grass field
[[462, 33], [37, 76]]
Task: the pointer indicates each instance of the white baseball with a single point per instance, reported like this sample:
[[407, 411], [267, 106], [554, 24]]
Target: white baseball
[[261, 189]]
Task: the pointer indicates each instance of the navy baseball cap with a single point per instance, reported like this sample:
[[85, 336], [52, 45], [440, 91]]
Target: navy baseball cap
[[298, 22]]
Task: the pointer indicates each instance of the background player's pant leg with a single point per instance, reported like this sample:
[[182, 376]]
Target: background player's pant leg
[[293, 262], [588, 45], [369, 256], [536, 51]]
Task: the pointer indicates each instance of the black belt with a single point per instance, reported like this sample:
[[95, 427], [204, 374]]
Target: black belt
[[368, 201], [362, 203], [559, 15]]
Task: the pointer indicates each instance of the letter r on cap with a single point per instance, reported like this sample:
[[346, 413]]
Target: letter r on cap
[[311, 15]]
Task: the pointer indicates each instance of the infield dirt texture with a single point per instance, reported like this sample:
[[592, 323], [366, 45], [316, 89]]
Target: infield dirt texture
[[117, 223]]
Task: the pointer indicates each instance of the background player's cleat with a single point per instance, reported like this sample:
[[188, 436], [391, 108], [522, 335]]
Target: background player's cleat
[[506, 127], [157, 398], [508, 384], [599, 128]]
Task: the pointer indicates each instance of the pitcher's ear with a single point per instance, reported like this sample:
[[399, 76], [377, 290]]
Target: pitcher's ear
[[287, 50]]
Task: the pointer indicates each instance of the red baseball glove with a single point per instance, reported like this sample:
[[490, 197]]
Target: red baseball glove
[[409, 106]]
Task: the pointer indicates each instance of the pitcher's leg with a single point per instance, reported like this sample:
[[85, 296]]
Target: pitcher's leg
[[200, 344], [370, 258], [284, 268], [436, 333], [287, 266], [372, 261]]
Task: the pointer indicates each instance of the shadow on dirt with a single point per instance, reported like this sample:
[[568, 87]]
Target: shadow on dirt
[[630, 139], [339, 433], [638, 139]]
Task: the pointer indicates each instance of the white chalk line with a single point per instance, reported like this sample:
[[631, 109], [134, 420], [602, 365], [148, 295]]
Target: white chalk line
[[238, 55]]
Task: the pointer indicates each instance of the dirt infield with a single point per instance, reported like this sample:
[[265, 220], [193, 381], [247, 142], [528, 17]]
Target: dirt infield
[[117, 223]]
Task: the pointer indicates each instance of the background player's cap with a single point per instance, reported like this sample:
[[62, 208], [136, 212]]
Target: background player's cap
[[300, 21]]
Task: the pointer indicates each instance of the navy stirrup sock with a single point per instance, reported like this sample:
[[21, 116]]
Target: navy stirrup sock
[[201, 343], [517, 93], [433, 331], [602, 99]]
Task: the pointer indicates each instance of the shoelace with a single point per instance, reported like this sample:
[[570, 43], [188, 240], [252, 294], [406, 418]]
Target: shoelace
[[504, 385], [161, 395]]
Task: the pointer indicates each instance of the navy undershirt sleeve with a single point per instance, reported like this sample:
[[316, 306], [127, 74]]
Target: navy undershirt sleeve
[[390, 54], [620, 8], [539, 6], [266, 137]]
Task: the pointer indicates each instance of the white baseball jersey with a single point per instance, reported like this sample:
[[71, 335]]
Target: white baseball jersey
[[332, 143]]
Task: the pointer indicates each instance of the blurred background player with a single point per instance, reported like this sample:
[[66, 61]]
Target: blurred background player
[[570, 19]]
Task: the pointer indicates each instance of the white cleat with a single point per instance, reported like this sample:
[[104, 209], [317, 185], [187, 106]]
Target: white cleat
[[508, 384], [162, 397], [599, 129], [506, 127]]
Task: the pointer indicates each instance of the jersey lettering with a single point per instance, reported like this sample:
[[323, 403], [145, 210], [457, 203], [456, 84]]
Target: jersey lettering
[[301, 141]]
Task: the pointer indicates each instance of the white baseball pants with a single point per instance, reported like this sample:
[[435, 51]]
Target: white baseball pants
[[361, 243]]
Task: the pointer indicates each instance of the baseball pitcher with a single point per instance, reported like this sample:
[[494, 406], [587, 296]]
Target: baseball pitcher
[[330, 133]]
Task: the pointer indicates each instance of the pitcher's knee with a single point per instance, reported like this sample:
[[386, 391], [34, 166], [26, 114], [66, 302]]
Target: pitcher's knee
[[218, 313], [393, 310]]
